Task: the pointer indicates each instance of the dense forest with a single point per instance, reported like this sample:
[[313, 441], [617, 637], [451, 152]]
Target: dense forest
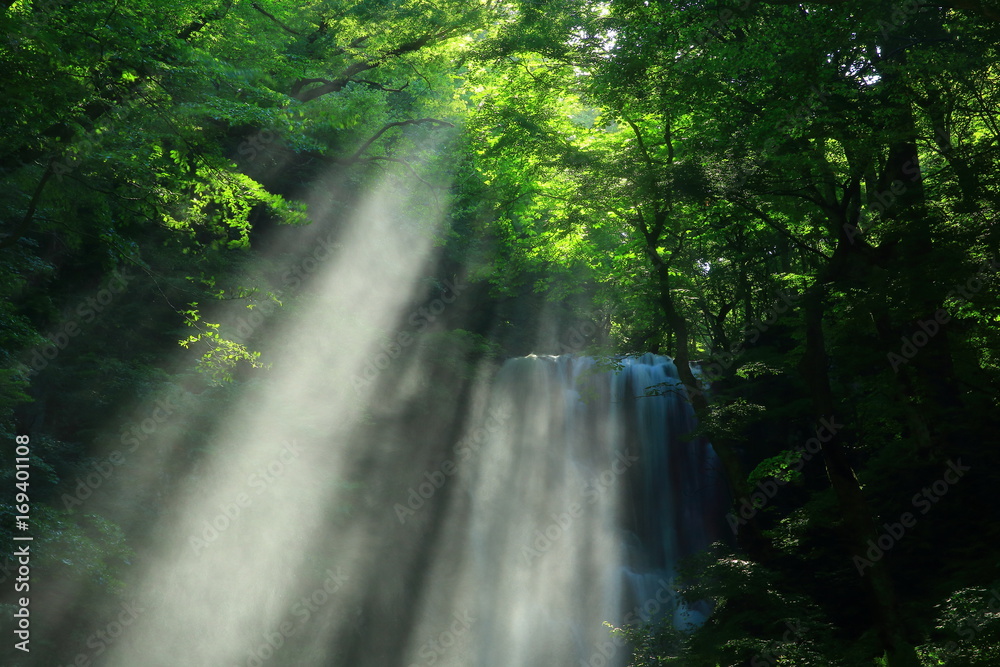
[[206, 201]]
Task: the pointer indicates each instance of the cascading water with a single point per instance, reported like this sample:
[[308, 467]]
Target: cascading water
[[581, 502], [505, 539], [678, 494]]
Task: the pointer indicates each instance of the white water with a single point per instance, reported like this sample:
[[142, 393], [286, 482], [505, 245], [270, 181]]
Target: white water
[[578, 509]]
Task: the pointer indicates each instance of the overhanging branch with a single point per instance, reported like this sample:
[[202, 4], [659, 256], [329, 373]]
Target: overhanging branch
[[388, 126], [334, 85], [379, 86], [29, 214], [204, 20], [275, 19]]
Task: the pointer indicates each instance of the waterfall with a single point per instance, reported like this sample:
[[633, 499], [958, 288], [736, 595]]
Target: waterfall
[[497, 525], [581, 501]]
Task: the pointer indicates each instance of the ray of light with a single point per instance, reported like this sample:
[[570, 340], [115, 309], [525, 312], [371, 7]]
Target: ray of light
[[367, 504], [240, 546]]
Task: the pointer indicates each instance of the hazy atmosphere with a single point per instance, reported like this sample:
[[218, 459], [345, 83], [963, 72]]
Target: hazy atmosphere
[[499, 334]]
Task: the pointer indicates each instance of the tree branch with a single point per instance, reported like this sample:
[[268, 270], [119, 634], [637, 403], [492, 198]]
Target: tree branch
[[360, 66], [29, 214], [761, 215], [328, 86], [388, 126], [302, 83], [379, 86], [659, 214], [417, 72], [204, 20], [275, 19]]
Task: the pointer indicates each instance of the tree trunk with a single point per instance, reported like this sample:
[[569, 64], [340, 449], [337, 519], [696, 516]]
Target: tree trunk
[[858, 521], [749, 535]]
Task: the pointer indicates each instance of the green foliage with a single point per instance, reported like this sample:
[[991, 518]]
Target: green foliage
[[93, 549], [148, 138], [757, 619], [967, 629], [666, 169], [221, 355], [729, 420], [651, 645], [779, 467], [690, 163]]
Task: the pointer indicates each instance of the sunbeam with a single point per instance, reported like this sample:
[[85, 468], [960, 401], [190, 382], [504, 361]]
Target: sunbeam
[[498, 333], [245, 533]]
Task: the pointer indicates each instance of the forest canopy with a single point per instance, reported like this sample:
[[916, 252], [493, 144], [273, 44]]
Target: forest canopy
[[797, 202]]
